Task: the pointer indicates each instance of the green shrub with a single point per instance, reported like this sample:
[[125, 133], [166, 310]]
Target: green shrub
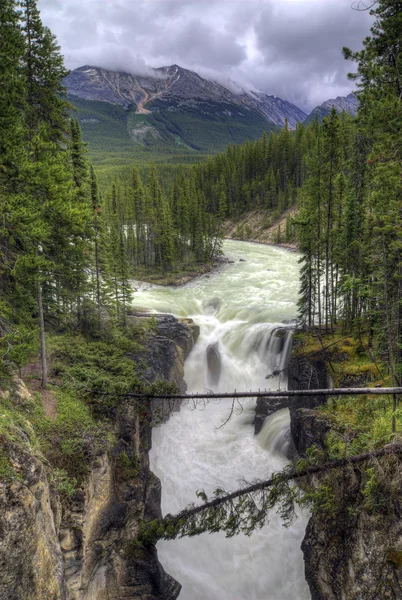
[[6, 470], [65, 485]]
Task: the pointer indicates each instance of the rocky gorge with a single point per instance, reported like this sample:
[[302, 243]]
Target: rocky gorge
[[353, 552], [81, 547], [56, 545]]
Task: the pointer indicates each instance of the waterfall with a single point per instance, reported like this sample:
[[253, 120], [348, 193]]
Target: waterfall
[[242, 312], [275, 433]]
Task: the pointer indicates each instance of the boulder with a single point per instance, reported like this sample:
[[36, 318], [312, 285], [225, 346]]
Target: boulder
[[214, 363]]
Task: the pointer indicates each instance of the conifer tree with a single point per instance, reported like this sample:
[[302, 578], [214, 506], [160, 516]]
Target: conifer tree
[[97, 237], [379, 79]]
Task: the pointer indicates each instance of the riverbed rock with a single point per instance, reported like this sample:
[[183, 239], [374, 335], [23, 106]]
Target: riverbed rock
[[167, 348], [301, 373], [212, 305], [184, 332], [214, 362]]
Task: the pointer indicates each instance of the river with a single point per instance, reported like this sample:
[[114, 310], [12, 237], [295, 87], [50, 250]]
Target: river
[[239, 309]]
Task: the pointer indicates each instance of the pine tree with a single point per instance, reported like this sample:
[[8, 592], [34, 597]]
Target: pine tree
[[12, 92], [97, 237], [17, 341], [379, 78], [330, 158], [44, 72]]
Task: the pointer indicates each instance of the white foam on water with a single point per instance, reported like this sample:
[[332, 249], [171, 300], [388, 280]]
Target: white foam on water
[[241, 309]]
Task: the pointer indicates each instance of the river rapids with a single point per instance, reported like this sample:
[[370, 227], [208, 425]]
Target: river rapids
[[243, 311]]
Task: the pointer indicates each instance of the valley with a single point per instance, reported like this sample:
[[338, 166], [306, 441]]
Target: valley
[[173, 115], [200, 301]]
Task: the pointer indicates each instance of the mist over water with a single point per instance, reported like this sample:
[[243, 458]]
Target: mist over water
[[241, 312]]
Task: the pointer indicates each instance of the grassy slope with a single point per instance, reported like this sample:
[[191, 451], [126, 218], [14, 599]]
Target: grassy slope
[[359, 423], [261, 225]]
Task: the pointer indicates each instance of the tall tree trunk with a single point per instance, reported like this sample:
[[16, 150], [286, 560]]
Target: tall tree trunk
[[42, 335], [389, 333], [98, 283]]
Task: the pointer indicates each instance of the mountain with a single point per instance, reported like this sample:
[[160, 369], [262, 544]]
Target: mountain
[[170, 110], [274, 109], [348, 103]]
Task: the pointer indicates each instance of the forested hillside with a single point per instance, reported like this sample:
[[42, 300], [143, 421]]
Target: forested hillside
[[62, 267], [350, 207], [344, 177], [170, 114], [71, 245]]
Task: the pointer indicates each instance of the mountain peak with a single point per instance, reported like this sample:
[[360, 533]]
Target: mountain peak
[[348, 103], [175, 87]]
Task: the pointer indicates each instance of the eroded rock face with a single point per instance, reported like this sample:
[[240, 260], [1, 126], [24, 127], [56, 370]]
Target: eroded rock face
[[214, 363], [122, 491], [355, 557], [168, 348], [82, 549], [303, 374], [31, 565], [355, 553], [101, 561]]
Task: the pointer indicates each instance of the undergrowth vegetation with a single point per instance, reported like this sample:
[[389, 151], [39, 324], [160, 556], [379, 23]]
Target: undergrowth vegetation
[[88, 379], [358, 423]]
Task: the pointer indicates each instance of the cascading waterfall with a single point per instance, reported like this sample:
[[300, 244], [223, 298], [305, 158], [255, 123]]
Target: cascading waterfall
[[275, 433], [244, 313]]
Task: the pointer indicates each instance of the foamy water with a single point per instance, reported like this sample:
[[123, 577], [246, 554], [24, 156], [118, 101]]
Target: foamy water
[[241, 312]]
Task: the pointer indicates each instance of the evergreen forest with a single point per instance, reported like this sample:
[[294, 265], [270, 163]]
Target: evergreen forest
[[69, 247], [73, 239]]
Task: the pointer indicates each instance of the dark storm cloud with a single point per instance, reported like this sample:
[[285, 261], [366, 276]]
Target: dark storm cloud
[[201, 45], [290, 48], [302, 48]]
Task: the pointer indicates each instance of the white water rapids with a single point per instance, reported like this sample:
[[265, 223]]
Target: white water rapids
[[238, 308]]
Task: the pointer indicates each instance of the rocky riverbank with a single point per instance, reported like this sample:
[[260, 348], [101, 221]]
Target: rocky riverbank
[[262, 226], [79, 546], [180, 276]]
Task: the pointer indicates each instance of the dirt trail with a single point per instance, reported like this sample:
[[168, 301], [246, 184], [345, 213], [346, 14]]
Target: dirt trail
[[31, 375]]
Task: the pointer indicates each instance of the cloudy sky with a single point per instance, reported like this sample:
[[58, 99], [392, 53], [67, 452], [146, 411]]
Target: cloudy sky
[[290, 48]]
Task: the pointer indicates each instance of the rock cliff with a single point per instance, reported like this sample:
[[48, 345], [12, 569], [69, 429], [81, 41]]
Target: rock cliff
[[303, 374], [356, 552], [81, 547]]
